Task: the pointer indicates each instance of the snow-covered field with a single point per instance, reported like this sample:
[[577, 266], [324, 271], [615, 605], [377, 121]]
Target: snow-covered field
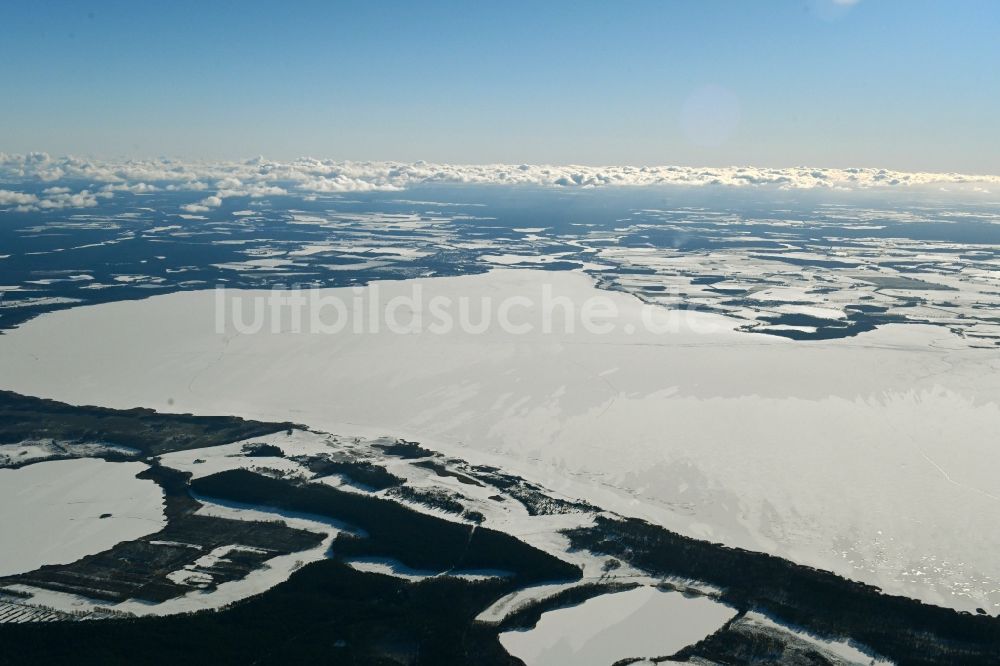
[[871, 456], [276, 570], [641, 622], [59, 511]]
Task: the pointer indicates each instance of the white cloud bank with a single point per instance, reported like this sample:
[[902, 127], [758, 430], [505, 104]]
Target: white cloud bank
[[10, 198], [260, 177], [204, 205], [52, 198]]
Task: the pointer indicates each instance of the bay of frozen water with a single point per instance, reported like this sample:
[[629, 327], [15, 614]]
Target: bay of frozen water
[[641, 622], [51, 512], [872, 456]]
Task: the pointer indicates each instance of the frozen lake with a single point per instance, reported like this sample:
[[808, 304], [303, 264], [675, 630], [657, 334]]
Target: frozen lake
[[51, 512], [872, 456], [641, 622]]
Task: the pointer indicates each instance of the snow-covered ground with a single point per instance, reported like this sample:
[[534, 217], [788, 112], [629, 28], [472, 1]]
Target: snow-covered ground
[[641, 622], [391, 567], [275, 570], [842, 650], [59, 511], [30, 451], [871, 456]]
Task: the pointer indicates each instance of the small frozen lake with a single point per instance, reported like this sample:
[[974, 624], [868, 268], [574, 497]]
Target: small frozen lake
[[50, 512], [641, 622]]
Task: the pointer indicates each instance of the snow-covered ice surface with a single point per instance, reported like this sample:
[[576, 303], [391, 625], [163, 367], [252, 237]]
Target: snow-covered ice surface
[[641, 622], [51, 512], [871, 456]]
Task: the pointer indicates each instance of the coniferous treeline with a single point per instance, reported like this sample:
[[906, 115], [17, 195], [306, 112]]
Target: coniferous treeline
[[902, 629], [326, 613], [392, 530], [24, 417]]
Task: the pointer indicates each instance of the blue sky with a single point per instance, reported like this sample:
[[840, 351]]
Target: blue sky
[[904, 84]]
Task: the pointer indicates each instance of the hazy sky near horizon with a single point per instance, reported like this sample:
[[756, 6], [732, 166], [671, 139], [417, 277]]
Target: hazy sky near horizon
[[903, 84]]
